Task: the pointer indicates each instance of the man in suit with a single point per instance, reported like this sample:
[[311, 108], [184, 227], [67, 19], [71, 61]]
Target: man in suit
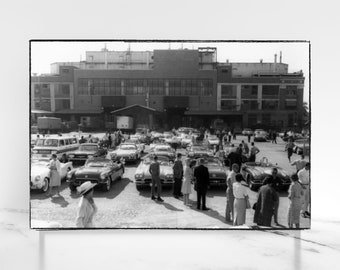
[[156, 181], [201, 174]]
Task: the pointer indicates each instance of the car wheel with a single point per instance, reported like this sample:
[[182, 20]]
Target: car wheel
[[46, 185], [107, 186]]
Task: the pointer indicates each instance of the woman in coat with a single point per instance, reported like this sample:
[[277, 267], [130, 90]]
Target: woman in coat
[[55, 179], [295, 196], [86, 206], [267, 197], [240, 194]]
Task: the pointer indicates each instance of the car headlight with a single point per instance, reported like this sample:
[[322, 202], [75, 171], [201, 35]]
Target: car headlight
[[71, 156], [138, 175], [37, 178]]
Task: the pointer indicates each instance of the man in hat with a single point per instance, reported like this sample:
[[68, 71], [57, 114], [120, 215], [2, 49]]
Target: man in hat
[[156, 180], [201, 174]]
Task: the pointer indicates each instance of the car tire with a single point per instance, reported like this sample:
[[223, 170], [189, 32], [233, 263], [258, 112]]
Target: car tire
[[46, 186], [108, 185]]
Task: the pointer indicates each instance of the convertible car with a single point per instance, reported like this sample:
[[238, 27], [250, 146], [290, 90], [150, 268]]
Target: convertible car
[[85, 151], [98, 170], [197, 151], [164, 150], [217, 172], [40, 173], [126, 151], [143, 176], [256, 172]]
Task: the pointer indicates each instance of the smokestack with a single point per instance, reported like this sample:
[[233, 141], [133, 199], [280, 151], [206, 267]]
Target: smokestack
[[280, 57]]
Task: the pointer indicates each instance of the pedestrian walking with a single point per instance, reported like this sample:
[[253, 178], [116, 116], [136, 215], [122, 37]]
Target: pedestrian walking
[[231, 179], [295, 196], [201, 174], [249, 136], [154, 170], [299, 163], [86, 207], [229, 135], [274, 135], [240, 205], [276, 185], [253, 152], [188, 178], [265, 203], [304, 179], [289, 148], [178, 175], [55, 179]]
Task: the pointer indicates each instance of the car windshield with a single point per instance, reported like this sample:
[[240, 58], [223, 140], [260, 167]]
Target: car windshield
[[47, 142], [212, 162], [90, 148], [98, 163], [127, 147], [162, 148], [162, 160]]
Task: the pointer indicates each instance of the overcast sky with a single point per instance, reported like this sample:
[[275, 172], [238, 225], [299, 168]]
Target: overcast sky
[[295, 54]]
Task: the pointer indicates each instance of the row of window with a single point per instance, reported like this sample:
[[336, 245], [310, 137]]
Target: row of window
[[174, 87], [267, 118], [44, 90], [231, 105], [251, 91]]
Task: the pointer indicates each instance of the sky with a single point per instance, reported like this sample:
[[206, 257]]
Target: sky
[[295, 54]]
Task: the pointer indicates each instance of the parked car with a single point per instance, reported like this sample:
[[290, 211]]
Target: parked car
[[127, 151], [85, 151], [98, 170], [40, 173], [255, 172], [186, 140], [143, 176], [213, 140], [198, 151], [260, 135], [217, 172], [247, 131], [135, 140], [164, 150]]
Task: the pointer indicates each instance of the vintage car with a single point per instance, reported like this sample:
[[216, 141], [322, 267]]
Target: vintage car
[[127, 151], [156, 142], [85, 151], [143, 176], [198, 151], [186, 140], [173, 140], [260, 135], [217, 172], [135, 140], [255, 172], [40, 172], [164, 150], [140, 136], [213, 140], [247, 131], [98, 170]]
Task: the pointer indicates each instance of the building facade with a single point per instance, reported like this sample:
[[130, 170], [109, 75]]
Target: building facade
[[185, 88]]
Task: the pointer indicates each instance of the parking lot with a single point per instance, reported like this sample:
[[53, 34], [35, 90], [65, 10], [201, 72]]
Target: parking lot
[[125, 207]]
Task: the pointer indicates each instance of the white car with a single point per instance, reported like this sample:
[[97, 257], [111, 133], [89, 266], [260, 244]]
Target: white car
[[260, 135], [213, 140], [40, 173], [186, 140]]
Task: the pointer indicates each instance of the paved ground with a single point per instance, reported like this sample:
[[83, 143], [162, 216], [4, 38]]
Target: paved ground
[[125, 207]]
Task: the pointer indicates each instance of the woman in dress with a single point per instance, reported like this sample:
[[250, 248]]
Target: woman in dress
[[86, 206], [240, 194], [55, 179], [188, 177], [295, 195]]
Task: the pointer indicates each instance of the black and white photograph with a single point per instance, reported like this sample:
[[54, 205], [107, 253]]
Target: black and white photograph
[[170, 134]]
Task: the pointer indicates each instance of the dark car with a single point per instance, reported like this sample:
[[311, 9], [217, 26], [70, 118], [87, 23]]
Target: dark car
[[85, 151], [97, 170], [256, 172], [198, 151], [217, 172]]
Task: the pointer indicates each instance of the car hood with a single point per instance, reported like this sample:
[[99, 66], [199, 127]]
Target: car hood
[[144, 169], [39, 170], [216, 169], [258, 171]]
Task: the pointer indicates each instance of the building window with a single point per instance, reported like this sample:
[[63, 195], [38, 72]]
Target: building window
[[156, 87], [228, 105], [252, 120], [266, 118], [291, 104], [249, 91], [62, 104], [291, 90], [249, 105], [270, 104], [206, 87], [135, 87], [228, 91], [270, 90]]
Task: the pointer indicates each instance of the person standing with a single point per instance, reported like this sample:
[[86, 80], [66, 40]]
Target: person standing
[[178, 175], [86, 207], [231, 179], [240, 205], [234, 157], [201, 174], [154, 170], [245, 148], [295, 196], [274, 135], [249, 136], [265, 203], [109, 139], [229, 136], [55, 179], [276, 186], [253, 152], [299, 163], [225, 139], [82, 140], [304, 179], [188, 177], [289, 148]]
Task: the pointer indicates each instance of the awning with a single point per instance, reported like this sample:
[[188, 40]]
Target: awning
[[134, 108], [41, 112], [88, 111]]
